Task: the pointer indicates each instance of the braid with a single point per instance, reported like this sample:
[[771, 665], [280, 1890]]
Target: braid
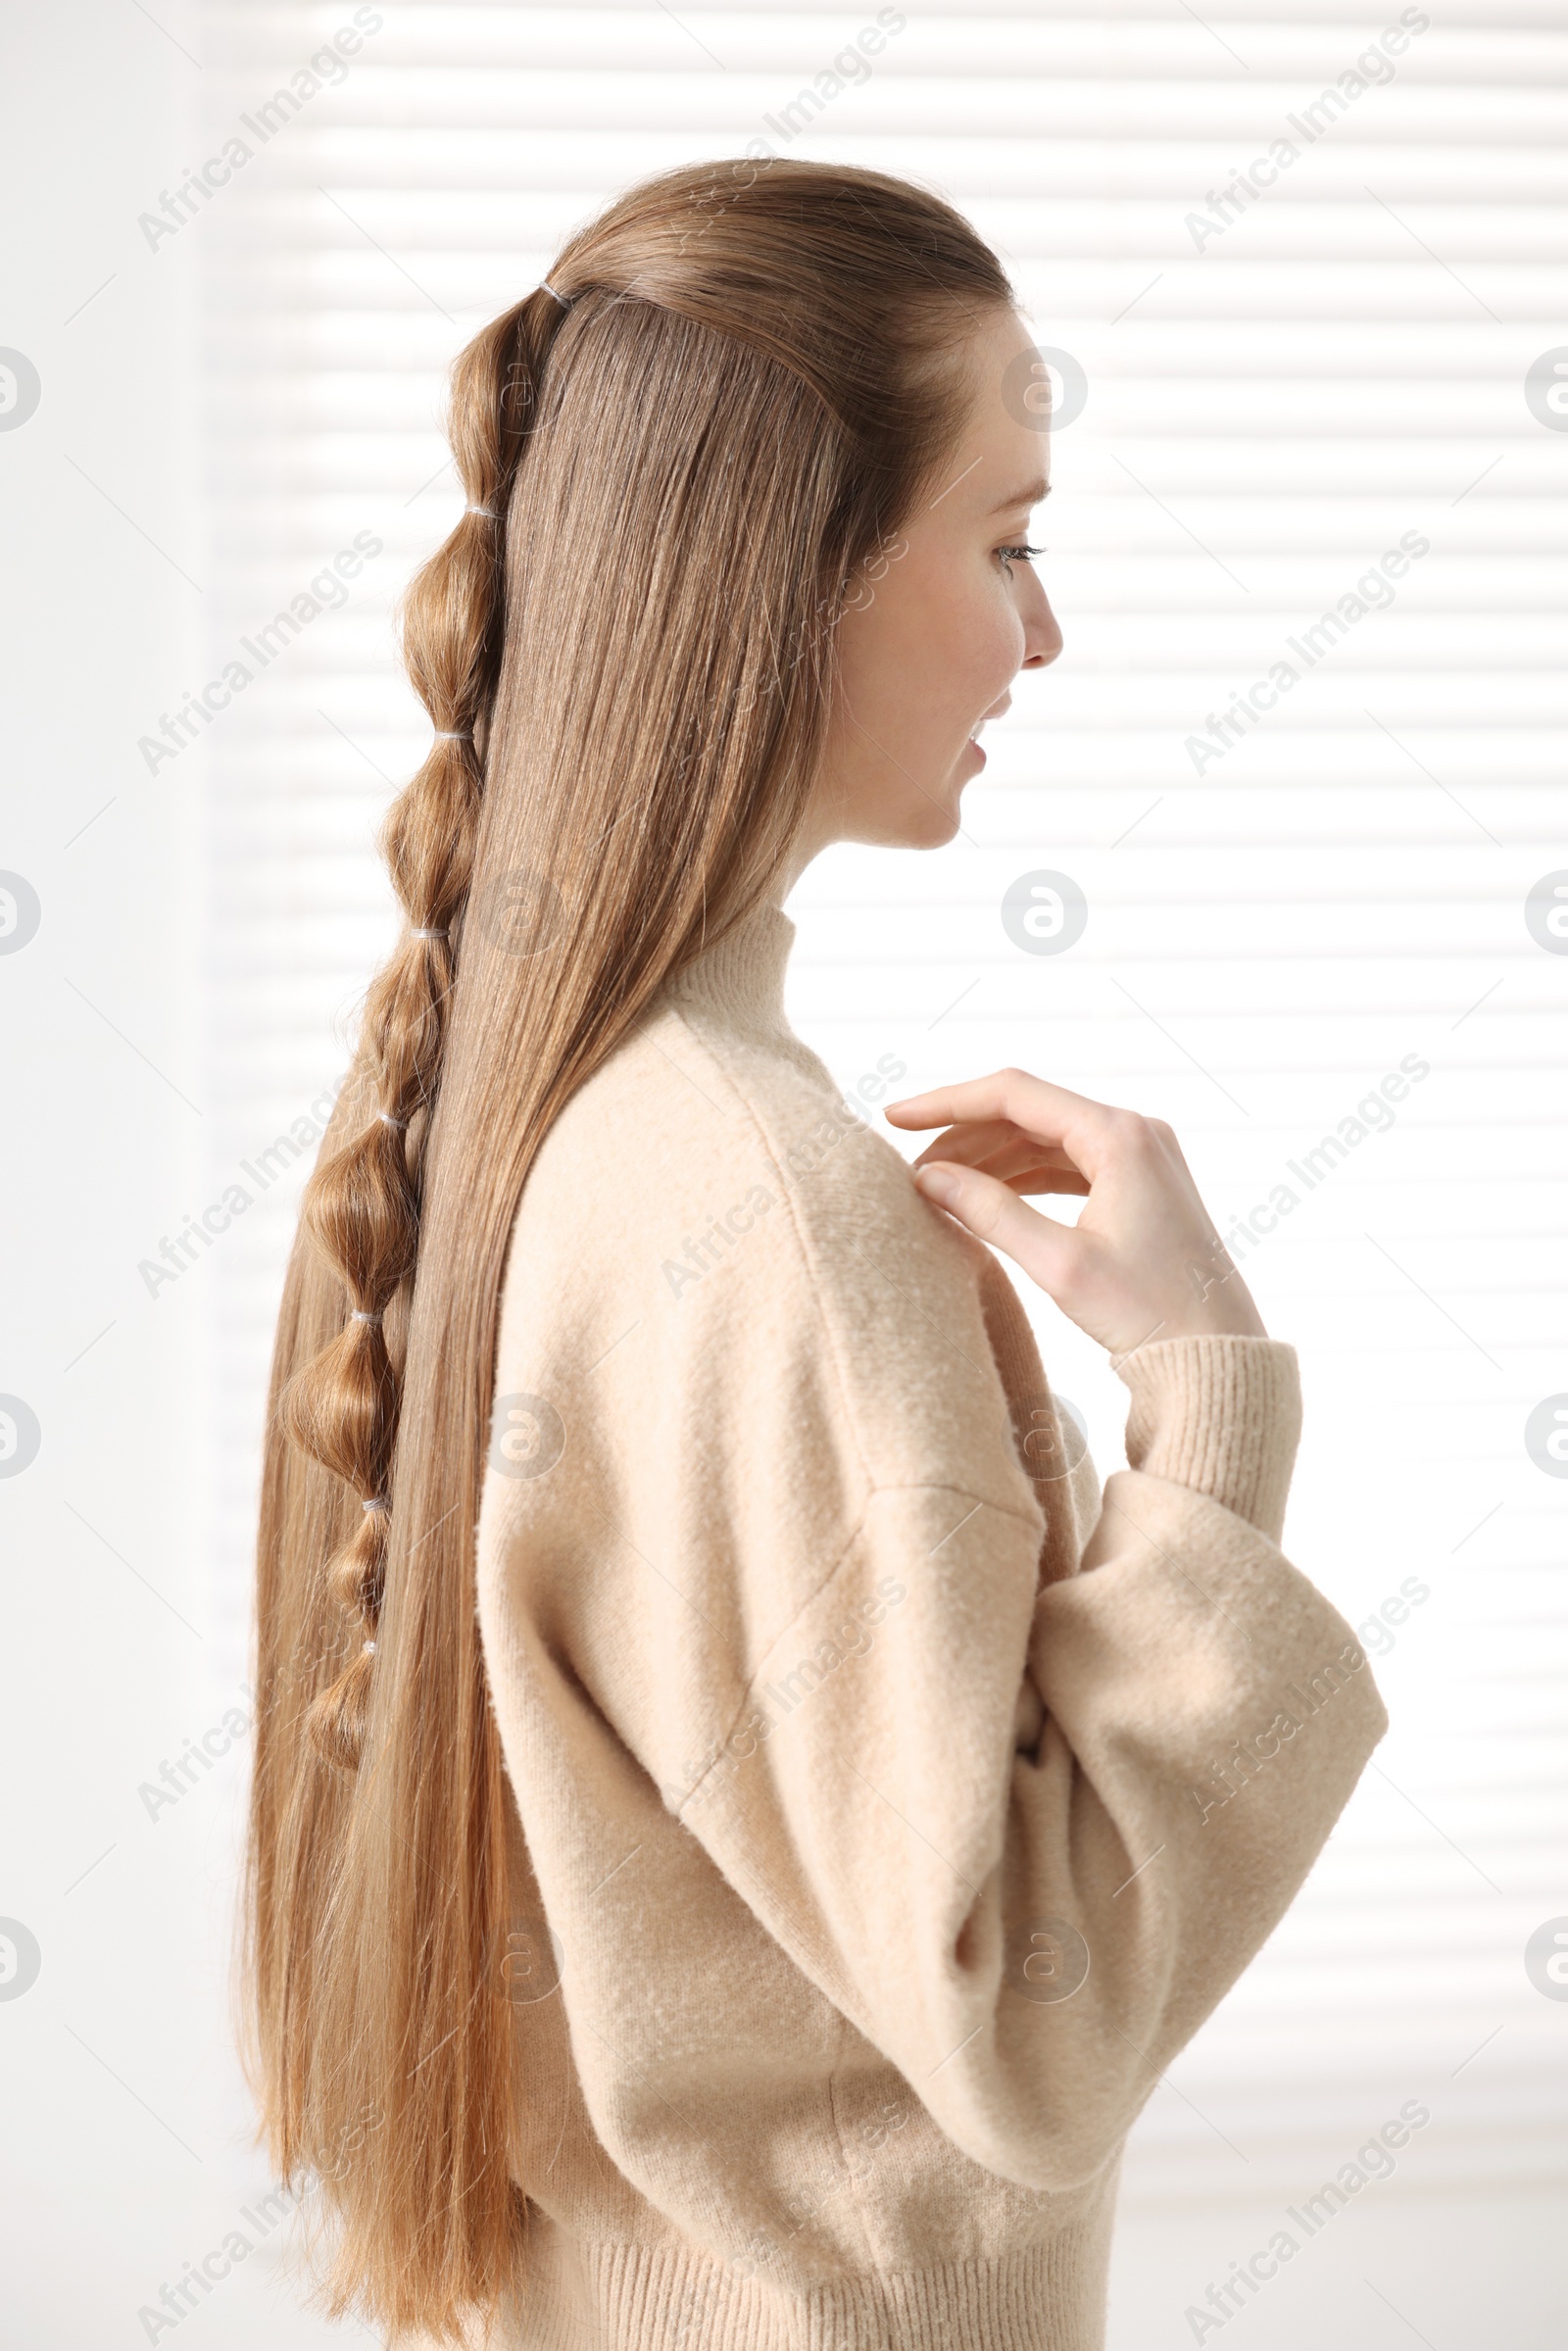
[[362, 1205]]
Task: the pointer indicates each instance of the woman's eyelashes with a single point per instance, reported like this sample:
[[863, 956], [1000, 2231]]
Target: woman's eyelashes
[[1017, 554]]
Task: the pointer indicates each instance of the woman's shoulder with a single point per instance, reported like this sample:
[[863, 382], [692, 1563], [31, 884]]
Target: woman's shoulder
[[688, 1120], [714, 1207]]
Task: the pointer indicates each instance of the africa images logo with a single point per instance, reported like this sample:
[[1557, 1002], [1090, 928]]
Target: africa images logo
[[20, 389]]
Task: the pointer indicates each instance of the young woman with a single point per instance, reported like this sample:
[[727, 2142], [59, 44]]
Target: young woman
[[741, 1823]]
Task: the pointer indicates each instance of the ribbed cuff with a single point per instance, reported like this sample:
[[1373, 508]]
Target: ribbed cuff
[[1048, 2295], [1222, 1415]]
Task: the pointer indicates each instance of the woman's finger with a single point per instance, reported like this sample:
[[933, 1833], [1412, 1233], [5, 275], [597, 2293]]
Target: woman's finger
[[1047, 1180], [996, 1146], [1045, 1250], [984, 1133], [1053, 1115], [1011, 1160], [968, 1101], [1020, 1164]]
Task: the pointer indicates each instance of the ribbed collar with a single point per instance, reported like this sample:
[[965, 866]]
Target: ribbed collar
[[740, 979]]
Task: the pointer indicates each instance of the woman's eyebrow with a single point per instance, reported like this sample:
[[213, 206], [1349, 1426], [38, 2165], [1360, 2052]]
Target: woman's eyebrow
[[1030, 494]]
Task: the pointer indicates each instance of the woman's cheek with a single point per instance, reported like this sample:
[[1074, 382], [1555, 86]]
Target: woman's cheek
[[993, 650]]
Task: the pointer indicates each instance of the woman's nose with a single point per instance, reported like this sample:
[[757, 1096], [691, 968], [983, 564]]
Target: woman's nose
[[1042, 632]]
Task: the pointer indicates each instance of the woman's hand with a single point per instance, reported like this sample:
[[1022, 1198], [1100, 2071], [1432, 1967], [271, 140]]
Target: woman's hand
[[1143, 1260]]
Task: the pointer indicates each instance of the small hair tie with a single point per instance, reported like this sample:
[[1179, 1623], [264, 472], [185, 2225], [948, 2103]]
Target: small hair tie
[[446, 735], [358, 1314], [368, 1649], [427, 934], [550, 289], [488, 511], [387, 1119], [375, 1501]]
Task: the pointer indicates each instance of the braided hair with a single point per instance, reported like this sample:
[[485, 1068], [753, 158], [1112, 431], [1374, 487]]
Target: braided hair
[[362, 1205]]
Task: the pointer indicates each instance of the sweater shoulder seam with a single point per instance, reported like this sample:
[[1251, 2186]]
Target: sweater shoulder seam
[[828, 1322], [967, 1493]]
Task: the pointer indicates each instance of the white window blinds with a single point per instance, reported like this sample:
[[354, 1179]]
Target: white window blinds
[[1309, 268]]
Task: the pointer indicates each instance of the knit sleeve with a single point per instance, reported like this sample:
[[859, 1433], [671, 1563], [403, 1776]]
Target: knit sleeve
[[1027, 1833]]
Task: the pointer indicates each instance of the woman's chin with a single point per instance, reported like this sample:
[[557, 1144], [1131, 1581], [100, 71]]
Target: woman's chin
[[943, 821], [965, 768], [926, 817]]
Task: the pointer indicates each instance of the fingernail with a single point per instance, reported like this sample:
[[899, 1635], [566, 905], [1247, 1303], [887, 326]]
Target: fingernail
[[937, 1183]]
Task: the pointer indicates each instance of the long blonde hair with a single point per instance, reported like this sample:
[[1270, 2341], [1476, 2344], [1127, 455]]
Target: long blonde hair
[[675, 476]]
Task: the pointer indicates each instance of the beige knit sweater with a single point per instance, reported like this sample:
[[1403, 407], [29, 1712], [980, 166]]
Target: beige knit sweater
[[896, 1807]]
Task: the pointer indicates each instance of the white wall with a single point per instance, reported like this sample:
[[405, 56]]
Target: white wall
[[123, 2150], [225, 411]]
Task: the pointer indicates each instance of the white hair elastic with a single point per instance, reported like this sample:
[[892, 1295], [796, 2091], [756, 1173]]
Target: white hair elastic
[[370, 1649], [446, 735], [547, 288], [360, 1314], [427, 934], [375, 1501], [387, 1119], [481, 510]]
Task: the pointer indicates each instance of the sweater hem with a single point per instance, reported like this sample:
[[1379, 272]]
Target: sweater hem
[[621, 2296]]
